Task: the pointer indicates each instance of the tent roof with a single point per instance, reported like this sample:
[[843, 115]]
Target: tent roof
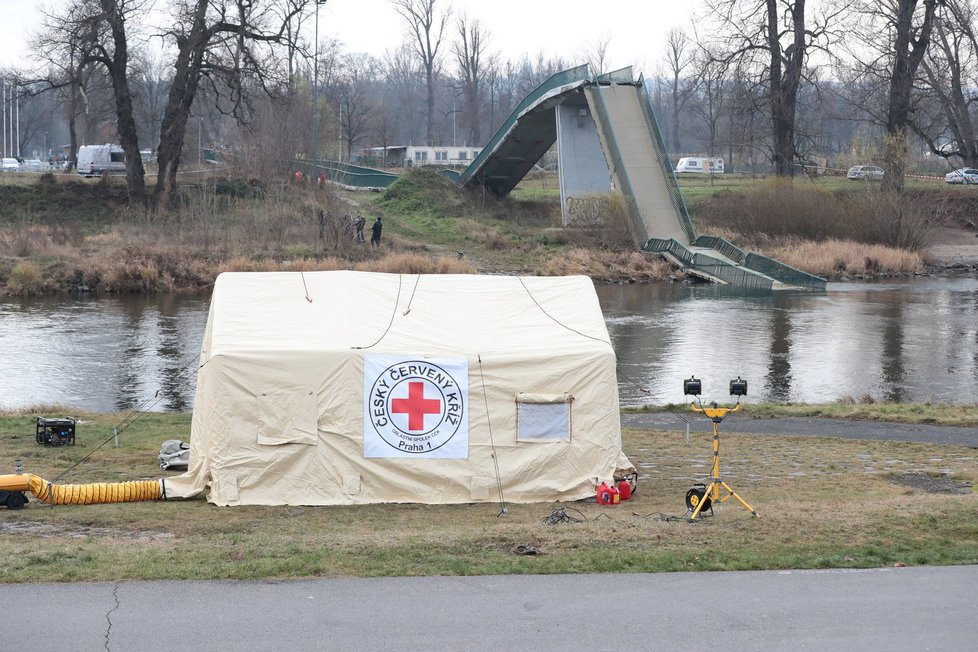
[[428, 314]]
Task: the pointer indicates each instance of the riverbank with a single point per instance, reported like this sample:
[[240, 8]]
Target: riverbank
[[823, 502], [62, 234]]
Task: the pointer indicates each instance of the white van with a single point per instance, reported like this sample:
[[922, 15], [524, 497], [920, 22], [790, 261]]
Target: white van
[[700, 165], [93, 160]]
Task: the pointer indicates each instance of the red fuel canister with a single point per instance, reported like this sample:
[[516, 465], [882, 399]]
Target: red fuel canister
[[604, 494], [625, 489], [615, 495]]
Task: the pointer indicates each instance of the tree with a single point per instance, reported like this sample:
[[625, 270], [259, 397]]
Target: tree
[[944, 116], [680, 57], [776, 38], [58, 45], [357, 75], [426, 27], [228, 45], [910, 41], [100, 27], [595, 53], [470, 52], [889, 40]]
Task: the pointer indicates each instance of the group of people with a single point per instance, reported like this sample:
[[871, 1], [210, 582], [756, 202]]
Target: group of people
[[358, 223]]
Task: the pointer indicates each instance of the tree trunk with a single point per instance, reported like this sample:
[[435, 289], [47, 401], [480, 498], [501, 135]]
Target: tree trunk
[[907, 55], [173, 129], [430, 83], [72, 161], [785, 78], [128, 135]]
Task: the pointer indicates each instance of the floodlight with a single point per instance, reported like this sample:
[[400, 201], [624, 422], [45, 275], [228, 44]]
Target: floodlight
[[692, 386], [738, 387]]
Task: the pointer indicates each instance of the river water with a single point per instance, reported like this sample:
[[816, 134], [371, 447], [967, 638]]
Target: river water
[[909, 340]]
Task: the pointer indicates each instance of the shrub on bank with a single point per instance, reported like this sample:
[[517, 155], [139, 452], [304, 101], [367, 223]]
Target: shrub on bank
[[784, 209], [24, 280]]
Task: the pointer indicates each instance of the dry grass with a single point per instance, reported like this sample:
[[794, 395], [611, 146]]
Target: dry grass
[[830, 258], [823, 503], [780, 209], [606, 265], [834, 258]]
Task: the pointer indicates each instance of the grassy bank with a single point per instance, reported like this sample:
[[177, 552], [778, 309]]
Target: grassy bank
[[824, 503], [59, 233], [864, 409]]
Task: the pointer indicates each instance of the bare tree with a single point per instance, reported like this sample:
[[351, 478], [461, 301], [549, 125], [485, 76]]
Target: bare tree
[[151, 83], [888, 42], [403, 76], [595, 53], [426, 26], [944, 116], [104, 40], [355, 93], [712, 93], [227, 44], [58, 44], [470, 50], [777, 37], [680, 56]]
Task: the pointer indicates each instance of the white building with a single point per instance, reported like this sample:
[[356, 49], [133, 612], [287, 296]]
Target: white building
[[419, 155]]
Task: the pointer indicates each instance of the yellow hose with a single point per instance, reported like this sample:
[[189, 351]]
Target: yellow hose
[[83, 494]]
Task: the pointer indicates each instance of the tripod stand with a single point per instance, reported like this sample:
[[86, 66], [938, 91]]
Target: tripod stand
[[712, 493]]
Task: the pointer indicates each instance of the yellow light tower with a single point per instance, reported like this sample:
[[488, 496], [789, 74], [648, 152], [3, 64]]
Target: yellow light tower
[[698, 500]]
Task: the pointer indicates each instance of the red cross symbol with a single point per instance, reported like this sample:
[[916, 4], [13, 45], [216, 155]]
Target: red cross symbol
[[416, 406]]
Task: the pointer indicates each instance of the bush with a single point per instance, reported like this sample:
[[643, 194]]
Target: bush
[[25, 279], [780, 209]]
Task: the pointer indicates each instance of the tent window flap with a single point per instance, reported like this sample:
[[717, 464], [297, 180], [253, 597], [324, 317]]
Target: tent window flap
[[543, 417]]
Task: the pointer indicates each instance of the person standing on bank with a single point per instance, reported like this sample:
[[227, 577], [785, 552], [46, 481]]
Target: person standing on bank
[[376, 229], [358, 225]]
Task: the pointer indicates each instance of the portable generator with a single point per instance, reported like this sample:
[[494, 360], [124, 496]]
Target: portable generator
[[56, 432]]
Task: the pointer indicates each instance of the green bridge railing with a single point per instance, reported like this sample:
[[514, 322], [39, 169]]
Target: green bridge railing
[[562, 78], [698, 262], [784, 273], [356, 176]]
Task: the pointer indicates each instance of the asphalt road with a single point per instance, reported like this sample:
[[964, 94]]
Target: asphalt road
[[802, 426], [896, 609]]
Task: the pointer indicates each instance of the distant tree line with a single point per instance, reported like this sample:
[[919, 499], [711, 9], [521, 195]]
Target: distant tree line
[[763, 83]]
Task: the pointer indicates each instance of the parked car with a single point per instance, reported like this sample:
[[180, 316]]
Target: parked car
[[963, 175], [10, 165], [865, 173], [34, 164]]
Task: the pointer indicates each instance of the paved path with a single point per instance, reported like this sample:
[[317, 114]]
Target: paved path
[[894, 609], [849, 429]]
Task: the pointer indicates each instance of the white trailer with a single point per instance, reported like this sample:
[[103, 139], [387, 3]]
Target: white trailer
[[700, 165]]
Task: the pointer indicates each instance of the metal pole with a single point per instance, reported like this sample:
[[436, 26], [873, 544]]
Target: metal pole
[[17, 103], [315, 99], [3, 110]]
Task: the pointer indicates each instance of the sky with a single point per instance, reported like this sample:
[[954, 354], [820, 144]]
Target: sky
[[564, 28]]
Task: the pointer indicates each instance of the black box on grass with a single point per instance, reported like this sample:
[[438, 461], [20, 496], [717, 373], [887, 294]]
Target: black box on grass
[[56, 432]]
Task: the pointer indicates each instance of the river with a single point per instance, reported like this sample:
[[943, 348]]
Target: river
[[909, 340]]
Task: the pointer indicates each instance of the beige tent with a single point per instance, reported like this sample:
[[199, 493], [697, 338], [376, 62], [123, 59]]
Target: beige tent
[[331, 388]]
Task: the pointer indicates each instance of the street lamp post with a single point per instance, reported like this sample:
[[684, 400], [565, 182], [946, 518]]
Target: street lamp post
[[315, 96]]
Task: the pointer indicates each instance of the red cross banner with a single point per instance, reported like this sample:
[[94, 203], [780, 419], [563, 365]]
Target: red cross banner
[[415, 407]]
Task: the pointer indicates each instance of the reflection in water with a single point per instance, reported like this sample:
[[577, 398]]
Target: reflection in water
[[779, 365], [117, 353], [898, 341], [891, 341]]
